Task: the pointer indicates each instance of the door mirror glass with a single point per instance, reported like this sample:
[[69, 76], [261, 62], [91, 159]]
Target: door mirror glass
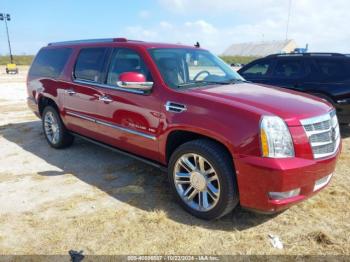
[[134, 80]]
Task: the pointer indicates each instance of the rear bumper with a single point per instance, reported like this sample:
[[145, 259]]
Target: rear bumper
[[32, 104], [257, 176]]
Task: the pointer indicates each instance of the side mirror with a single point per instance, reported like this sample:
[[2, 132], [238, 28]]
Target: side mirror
[[134, 80]]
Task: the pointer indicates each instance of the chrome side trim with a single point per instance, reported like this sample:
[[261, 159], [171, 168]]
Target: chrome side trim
[[134, 91], [127, 130], [81, 116]]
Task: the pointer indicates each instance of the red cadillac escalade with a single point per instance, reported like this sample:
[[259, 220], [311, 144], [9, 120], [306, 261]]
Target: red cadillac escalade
[[224, 141]]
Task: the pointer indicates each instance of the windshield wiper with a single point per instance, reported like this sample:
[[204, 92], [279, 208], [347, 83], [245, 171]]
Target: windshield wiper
[[235, 80]]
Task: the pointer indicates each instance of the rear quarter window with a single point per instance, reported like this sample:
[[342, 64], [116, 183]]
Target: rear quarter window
[[49, 62], [334, 69]]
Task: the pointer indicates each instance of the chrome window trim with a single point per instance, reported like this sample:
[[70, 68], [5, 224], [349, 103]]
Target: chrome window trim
[[85, 82], [94, 120]]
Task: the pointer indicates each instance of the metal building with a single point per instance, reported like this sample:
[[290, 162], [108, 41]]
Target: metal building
[[260, 48]]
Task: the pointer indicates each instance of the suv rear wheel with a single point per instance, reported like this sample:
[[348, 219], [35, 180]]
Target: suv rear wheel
[[55, 132], [202, 177]]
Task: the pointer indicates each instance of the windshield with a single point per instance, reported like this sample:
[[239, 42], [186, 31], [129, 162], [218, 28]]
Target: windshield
[[184, 68]]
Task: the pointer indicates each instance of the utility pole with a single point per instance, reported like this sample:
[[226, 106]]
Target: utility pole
[[289, 7], [7, 17]]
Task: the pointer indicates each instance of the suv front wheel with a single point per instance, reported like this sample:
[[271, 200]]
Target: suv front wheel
[[55, 132], [202, 177]]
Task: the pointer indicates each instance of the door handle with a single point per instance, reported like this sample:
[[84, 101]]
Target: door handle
[[105, 99], [70, 92]]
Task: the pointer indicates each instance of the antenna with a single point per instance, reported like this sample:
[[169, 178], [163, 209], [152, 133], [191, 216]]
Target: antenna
[[289, 7]]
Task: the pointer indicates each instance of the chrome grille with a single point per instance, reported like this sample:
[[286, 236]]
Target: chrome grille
[[323, 133], [318, 126]]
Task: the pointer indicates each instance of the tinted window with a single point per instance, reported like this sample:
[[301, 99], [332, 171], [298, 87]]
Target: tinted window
[[49, 62], [257, 70], [334, 69], [289, 69], [89, 64], [126, 60]]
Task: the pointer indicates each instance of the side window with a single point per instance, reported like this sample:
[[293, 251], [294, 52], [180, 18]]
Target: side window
[[289, 69], [89, 64], [258, 69], [333, 69], [126, 60], [49, 62]]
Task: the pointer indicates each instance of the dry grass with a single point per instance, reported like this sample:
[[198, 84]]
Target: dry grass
[[103, 203]]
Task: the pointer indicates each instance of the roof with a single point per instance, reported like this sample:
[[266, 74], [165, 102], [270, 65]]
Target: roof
[[111, 41], [260, 48], [323, 54]]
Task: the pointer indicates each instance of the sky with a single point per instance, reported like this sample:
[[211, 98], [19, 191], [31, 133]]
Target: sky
[[323, 24]]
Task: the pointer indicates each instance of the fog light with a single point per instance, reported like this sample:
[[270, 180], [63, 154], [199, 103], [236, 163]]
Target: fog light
[[322, 182], [284, 195]]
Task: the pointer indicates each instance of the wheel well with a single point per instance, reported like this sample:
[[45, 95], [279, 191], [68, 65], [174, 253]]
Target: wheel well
[[43, 102], [177, 138]]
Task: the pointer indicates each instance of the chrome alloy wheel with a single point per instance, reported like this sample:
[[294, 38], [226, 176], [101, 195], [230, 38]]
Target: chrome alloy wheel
[[196, 182], [51, 127]]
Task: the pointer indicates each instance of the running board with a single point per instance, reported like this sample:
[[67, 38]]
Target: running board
[[144, 160]]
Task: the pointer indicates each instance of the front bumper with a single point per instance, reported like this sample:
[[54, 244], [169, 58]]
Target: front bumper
[[257, 176]]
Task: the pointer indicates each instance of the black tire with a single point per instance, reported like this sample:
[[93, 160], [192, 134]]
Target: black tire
[[221, 161], [65, 139]]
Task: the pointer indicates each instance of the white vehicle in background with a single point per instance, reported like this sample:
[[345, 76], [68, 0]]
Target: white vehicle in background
[[236, 66]]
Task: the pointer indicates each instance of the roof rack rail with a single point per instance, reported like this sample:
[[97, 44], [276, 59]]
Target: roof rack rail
[[92, 41], [307, 54], [325, 54], [86, 41]]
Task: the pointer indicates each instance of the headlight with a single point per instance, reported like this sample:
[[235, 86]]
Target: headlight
[[275, 138]]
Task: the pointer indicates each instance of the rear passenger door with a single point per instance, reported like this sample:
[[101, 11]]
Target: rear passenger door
[[129, 119], [291, 73], [80, 94], [333, 77]]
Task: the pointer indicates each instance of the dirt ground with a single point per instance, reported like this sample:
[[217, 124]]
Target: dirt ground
[[88, 198]]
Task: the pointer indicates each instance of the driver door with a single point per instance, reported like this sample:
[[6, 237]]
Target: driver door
[[128, 119]]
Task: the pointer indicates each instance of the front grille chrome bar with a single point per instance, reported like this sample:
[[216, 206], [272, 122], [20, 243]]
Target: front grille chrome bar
[[323, 134]]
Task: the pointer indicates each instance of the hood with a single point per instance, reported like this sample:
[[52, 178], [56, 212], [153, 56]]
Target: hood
[[287, 104]]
